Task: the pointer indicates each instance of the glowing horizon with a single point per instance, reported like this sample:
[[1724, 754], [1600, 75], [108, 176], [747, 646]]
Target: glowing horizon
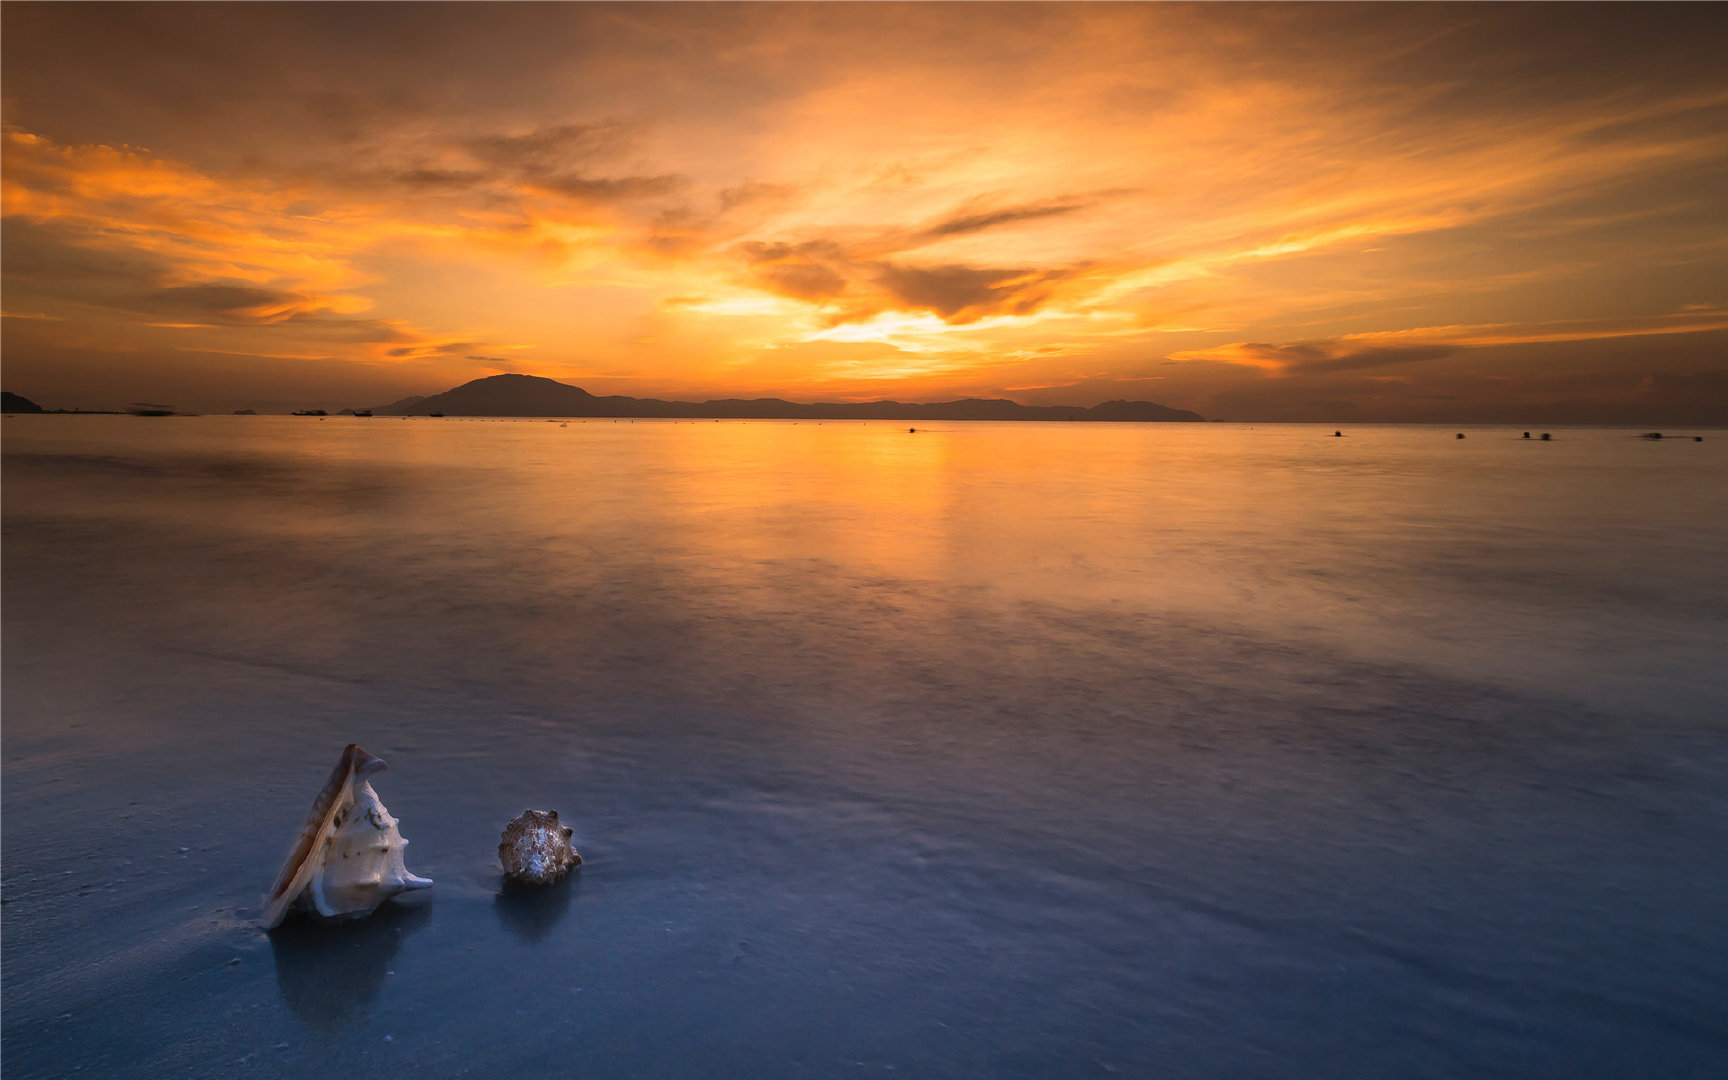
[[1251, 212]]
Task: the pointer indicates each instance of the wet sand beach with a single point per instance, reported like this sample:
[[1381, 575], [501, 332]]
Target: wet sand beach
[[1014, 750]]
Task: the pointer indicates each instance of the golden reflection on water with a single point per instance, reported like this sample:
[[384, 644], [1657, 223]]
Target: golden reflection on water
[[1396, 542]]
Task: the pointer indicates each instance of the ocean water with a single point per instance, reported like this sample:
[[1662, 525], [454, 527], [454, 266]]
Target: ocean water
[[1009, 750]]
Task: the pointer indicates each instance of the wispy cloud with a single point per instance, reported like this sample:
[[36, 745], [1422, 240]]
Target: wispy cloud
[[1355, 352]]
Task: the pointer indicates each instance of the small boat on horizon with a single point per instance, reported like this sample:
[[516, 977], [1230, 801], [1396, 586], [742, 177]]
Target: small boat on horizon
[[147, 408]]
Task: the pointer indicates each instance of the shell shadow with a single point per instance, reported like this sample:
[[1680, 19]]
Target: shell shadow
[[329, 973], [531, 911]]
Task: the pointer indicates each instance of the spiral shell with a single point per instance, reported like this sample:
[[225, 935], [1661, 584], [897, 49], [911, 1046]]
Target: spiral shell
[[348, 859], [535, 849]]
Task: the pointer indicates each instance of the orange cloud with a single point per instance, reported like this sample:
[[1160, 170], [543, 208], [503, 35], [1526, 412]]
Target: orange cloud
[[1352, 352]]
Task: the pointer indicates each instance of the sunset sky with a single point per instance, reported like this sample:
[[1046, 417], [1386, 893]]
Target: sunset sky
[[1326, 212]]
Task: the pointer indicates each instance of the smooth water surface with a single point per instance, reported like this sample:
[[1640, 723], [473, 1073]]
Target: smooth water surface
[[1186, 750]]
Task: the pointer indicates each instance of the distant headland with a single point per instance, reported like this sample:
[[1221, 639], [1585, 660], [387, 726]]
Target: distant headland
[[12, 404], [531, 395]]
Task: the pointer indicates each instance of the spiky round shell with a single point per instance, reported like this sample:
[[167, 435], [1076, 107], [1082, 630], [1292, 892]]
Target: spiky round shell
[[348, 859], [535, 849]]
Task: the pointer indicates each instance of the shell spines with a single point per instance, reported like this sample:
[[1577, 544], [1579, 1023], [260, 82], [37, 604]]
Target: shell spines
[[344, 864], [535, 848]]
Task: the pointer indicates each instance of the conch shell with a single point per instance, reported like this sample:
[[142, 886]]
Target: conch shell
[[535, 848], [348, 859]]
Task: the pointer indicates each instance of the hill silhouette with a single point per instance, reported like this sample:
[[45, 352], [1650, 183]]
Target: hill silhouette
[[17, 403], [400, 407], [531, 395]]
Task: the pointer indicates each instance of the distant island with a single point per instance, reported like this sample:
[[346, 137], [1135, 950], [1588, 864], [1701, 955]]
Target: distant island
[[531, 395], [12, 404]]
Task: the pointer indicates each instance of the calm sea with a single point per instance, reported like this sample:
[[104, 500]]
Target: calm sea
[[994, 750]]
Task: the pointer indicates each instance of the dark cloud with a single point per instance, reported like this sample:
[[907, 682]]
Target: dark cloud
[[690, 225], [609, 189], [566, 160], [753, 192], [861, 266], [1321, 357], [561, 159], [815, 270], [447, 348], [39, 255], [963, 294], [237, 305], [821, 270], [440, 178], [55, 261], [548, 149], [977, 221], [802, 281], [1378, 357], [358, 331], [762, 251]]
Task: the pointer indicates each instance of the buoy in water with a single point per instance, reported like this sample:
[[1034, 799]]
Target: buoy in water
[[1460, 434], [911, 431], [1337, 434], [1526, 434], [1545, 436]]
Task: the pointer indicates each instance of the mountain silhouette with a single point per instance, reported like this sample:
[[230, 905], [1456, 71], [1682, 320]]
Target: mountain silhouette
[[399, 408], [17, 403], [531, 395]]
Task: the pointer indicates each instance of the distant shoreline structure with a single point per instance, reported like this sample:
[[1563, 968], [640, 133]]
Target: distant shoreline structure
[[532, 395], [589, 406]]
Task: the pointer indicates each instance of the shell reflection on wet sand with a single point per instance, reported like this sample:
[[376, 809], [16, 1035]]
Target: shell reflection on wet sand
[[348, 859], [329, 975]]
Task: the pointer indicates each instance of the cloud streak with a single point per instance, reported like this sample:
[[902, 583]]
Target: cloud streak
[[1384, 349]]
